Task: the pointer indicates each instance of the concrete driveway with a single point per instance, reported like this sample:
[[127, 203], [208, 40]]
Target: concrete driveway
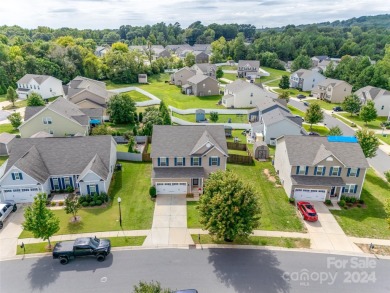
[[169, 222], [326, 233], [10, 233]]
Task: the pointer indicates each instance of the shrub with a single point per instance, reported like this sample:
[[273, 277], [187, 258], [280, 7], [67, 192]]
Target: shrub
[[353, 200], [47, 202], [69, 189], [61, 203], [53, 203], [92, 203], [98, 202], [328, 202], [88, 198], [342, 203], [346, 208], [81, 199], [104, 196], [85, 204], [343, 197], [152, 191], [359, 205], [291, 200], [361, 201]]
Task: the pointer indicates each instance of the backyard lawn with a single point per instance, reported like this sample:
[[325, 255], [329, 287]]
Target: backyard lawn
[[120, 127], [171, 94], [237, 133], [230, 76], [228, 67], [371, 221], [122, 148], [138, 97], [235, 118], [277, 214], [237, 152], [3, 159], [321, 130], [132, 185], [274, 74], [8, 128], [371, 125], [323, 104]]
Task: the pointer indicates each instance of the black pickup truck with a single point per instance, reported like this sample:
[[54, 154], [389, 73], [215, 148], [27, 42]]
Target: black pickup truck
[[86, 246]]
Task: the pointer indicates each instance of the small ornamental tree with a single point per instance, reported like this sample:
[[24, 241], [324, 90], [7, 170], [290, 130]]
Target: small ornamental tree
[[368, 112], [164, 113], [34, 100], [228, 207], [368, 142], [335, 131], [39, 220], [15, 119], [72, 206], [152, 287], [101, 130], [11, 96], [284, 82], [314, 114], [214, 116], [219, 72], [189, 60], [284, 95], [352, 104], [131, 145]]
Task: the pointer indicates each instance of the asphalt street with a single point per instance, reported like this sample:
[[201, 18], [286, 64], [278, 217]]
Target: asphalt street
[[381, 162], [208, 270]]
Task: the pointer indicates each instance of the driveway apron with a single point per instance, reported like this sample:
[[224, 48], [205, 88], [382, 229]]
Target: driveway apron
[[10, 233], [169, 222]]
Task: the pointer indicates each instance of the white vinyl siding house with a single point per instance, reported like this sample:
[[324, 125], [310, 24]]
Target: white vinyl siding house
[[44, 85]]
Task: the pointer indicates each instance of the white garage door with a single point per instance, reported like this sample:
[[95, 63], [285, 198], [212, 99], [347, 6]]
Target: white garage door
[[309, 194], [20, 195], [171, 187]]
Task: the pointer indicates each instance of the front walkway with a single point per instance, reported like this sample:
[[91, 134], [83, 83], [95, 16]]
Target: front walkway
[[169, 222]]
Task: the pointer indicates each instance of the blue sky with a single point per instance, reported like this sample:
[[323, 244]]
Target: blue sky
[[98, 14]]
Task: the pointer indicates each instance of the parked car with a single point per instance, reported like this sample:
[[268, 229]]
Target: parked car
[[6, 208], [86, 246], [314, 133], [303, 119], [337, 109], [307, 211], [300, 96]]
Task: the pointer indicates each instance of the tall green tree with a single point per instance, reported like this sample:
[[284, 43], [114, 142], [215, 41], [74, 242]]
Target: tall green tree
[[228, 207], [368, 142], [219, 72], [121, 109], [151, 117], [352, 104], [11, 96], [15, 119], [284, 82], [39, 220], [368, 112], [164, 113], [35, 99], [314, 114], [301, 62], [189, 60]]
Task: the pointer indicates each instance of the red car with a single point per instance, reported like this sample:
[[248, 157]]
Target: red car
[[307, 210]]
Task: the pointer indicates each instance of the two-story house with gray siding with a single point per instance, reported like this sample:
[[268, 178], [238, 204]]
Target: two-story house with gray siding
[[184, 156], [248, 68], [201, 85], [181, 76], [317, 168], [305, 79]]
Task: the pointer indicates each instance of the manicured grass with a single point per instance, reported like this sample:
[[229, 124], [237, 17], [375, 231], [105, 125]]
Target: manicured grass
[[138, 97], [8, 128], [238, 152], [371, 125], [2, 98], [192, 215], [122, 148], [273, 83], [115, 242], [132, 185], [343, 120], [323, 104], [371, 221], [171, 94], [321, 130], [142, 109], [228, 67], [296, 111], [257, 240], [385, 139], [149, 148], [230, 76], [293, 92], [235, 118], [274, 74], [237, 133], [18, 104], [120, 127], [3, 159]]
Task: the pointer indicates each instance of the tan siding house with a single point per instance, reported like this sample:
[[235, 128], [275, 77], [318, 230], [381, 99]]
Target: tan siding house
[[332, 90], [181, 76]]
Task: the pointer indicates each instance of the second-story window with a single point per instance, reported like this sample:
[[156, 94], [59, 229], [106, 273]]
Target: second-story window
[[195, 161], [179, 161], [335, 171], [214, 161], [47, 120], [163, 161], [319, 170], [301, 170]]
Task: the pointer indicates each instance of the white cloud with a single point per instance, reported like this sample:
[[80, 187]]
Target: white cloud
[[113, 13]]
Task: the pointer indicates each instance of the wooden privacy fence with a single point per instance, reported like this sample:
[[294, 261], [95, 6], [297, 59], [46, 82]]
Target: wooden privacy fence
[[239, 159], [145, 155]]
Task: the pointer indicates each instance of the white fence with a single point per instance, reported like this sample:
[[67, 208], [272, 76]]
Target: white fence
[[233, 125], [153, 99]]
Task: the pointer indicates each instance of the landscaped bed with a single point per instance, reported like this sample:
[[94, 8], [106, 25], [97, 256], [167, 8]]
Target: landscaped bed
[[132, 185], [115, 242], [257, 240]]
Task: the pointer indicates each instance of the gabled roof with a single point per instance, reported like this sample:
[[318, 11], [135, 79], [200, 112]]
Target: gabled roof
[[92, 112], [205, 67], [251, 63], [41, 134], [180, 141], [6, 137], [38, 78], [197, 78], [96, 165], [370, 92], [31, 111], [239, 85], [41, 157], [305, 73], [321, 58], [306, 150], [277, 115], [204, 144], [331, 82], [265, 104]]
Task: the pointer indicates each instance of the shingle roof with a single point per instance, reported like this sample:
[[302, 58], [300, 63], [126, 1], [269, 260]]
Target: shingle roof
[[304, 150], [41, 134], [6, 137], [330, 81], [96, 165], [304, 73], [252, 63], [41, 157], [38, 78], [178, 172], [372, 92], [179, 141], [238, 85], [197, 78], [276, 115], [205, 67], [31, 111], [92, 112], [317, 180]]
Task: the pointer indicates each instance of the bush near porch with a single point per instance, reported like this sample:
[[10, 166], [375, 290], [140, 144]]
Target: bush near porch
[[132, 185]]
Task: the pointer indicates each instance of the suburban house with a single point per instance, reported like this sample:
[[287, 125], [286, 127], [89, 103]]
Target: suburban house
[[181, 76], [89, 94], [184, 156], [316, 60], [270, 120], [45, 85], [160, 53], [201, 57], [205, 69], [202, 48], [53, 164], [243, 94], [59, 118], [317, 168], [248, 68], [332, 90], [5, 140], [305, 79], [379, 96], [175, 48], [201, 85], [102, 50]]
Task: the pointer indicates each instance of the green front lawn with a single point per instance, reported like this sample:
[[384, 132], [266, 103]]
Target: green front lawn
[[138, 97], [230, 76], [171, 94], [122, 148], [296, 111], [3, 159], [385, 139], [321, 130], [274, 74], [293, 92], [18, 104], [115, 242], [222, 118], [323, 104], [193, 215], [257, 240], [371, 221], [132, 185], [8, 128], [371, 125]]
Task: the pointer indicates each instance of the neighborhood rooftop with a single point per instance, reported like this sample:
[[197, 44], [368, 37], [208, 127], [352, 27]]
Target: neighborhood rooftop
[[38, 78]]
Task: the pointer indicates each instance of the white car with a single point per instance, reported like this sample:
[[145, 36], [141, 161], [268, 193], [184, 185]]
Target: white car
[[6, 208]]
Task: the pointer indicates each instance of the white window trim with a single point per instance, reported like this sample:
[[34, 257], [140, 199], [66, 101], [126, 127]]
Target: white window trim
[[351, 174], [179, 161], [16, 175], [333, 171], [163, 161], [47, 120], [322, 170], [197, 163], [302, 170], [212, 161], [350, 189], [92, 188]]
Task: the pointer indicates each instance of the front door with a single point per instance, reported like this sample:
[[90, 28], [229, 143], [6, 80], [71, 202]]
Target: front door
[[195, 182], [332, 191]]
